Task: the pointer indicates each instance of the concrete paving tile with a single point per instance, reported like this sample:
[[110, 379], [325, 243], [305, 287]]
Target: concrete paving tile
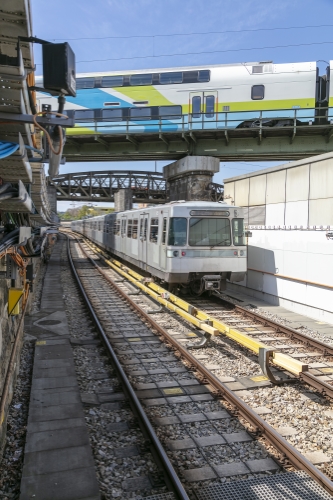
[[212, 440], [60, 438], [217, 415], [181, 444], [154, 402], [317, 457], [53, 363], [235, 386], [179, 399], [167, 383], [194, 417], [126, 451], [237, 437], [44, 399], [37, 414], [328, 413], [142, 386], [197, 389], [233, 469], [287, 431], [262, 410], [64, 371], [53, 383], [61, 459], [166, 420], [53, 425], [185, 382], [88, 398], [117, 427], [225, 379], [202, 474], [148, 394], [202, 397], [262, 465], [110, 397], [78, 484], [136, 483]]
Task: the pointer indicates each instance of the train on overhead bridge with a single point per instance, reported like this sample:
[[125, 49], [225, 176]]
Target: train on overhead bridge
[[194, 245], [203, 97]]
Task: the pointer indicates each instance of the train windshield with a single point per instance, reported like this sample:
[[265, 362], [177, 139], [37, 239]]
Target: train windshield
[[177, 231], [209, 232], [238, 231]]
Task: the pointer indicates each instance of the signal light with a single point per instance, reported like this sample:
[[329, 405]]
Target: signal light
[[183, 253]]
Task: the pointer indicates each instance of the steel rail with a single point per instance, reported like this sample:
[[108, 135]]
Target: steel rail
[[171, 478], [261, 428], [302, 337]]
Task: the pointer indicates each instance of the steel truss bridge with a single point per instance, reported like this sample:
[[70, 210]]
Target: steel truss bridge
[[147, 187], [109, 141]]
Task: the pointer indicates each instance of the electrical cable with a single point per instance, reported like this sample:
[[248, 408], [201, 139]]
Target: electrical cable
[[201, 33], [207, 52], [7, 149], [48, 137]]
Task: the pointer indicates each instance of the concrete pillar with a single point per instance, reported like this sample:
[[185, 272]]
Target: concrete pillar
[[52, 195], [189, 178], [123, 200]]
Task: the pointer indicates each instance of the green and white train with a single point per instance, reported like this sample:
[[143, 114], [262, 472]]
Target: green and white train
[[202, 97]]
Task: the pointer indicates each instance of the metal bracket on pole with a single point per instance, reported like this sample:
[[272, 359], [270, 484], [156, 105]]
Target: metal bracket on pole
[[264, 355]]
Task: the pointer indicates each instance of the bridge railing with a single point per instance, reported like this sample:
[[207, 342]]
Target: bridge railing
[[226, 120]]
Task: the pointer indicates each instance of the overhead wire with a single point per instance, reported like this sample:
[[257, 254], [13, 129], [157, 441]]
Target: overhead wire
[[198, 33], [154, 56]]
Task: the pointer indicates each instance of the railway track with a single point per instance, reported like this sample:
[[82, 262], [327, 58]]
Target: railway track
[[194, 414]]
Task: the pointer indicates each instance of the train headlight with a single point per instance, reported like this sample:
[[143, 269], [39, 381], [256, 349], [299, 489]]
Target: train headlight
[[175, 253], [242, 252]]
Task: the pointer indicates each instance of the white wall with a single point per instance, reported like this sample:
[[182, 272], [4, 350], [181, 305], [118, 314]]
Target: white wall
[[288, 266]]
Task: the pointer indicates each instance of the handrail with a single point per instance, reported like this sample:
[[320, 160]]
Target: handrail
[[283, 276]]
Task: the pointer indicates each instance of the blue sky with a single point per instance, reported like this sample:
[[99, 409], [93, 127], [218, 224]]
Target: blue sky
[[140, 34]]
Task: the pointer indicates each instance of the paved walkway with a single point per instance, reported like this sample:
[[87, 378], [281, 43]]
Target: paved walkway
[[58, 461], [295, 320]]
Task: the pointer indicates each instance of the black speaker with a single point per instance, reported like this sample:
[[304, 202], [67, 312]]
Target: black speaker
[[59, 68]]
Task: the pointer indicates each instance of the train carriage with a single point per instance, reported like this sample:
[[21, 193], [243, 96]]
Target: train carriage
[[197, 245], [198, 97]]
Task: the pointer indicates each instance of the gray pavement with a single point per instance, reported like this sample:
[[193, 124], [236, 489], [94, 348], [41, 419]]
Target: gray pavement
[[58, 461], [294, 319]]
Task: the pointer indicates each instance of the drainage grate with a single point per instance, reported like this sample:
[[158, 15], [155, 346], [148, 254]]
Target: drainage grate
[[291, 485], [161, 496]]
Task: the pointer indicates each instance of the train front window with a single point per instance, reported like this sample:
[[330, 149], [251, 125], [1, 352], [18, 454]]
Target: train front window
[[177, 231], [209, 232], [238, 232]]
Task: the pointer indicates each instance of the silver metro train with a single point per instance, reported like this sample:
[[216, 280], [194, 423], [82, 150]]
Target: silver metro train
[[194, 245]]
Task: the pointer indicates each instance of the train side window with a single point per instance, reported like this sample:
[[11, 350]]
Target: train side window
[[112, 115], [210, 105], [196, 106], [238, 232], [85, 83], [116, 227], [258, 92], [112, 81], [84, 115], [177, 231], [169, 78], [135, 229], [123, 227], [146, 79], [140, 113], [164, 230], [170, 112], [153, 231], [204, 75], [145, 230], [129, 228]]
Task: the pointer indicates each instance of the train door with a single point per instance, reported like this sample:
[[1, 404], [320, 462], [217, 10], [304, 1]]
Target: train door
[[143, 238], [164, 239], [203, 110]]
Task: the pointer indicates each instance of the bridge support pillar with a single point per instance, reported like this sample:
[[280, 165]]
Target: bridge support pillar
[[189, 178], [52, 195], [123, 200]]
